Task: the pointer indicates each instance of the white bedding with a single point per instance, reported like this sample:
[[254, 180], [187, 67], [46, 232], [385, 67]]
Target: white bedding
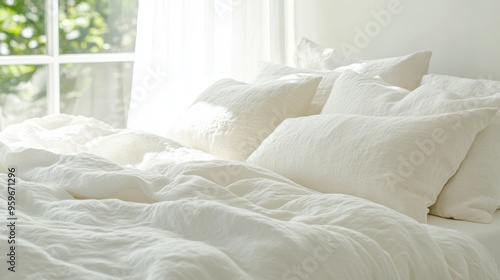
[[486, 234], [99, 203]]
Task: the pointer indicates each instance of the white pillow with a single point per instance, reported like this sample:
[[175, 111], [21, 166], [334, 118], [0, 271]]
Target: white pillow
[[410, 66], [471, 88], [376, 158], [309, 55], [473, 193], [463, 86], [269, 71], [230, 118], [405, 71]]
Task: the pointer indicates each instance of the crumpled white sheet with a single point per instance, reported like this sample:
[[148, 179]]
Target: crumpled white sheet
[[99, 203]]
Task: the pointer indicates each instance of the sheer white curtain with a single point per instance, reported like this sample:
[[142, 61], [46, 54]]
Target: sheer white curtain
[[183, 46]]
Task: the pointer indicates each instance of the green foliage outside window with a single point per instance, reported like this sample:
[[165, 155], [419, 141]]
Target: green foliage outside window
[[85, 26]]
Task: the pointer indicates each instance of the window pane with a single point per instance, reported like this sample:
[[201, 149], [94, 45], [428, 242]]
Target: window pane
[[22, 27], [97, 26], [99, 90], [22, 93]]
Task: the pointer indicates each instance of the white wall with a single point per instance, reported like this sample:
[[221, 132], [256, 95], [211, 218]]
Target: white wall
[[464, 35]]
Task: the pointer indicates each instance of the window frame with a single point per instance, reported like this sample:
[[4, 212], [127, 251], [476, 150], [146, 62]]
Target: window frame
[[53, 59]]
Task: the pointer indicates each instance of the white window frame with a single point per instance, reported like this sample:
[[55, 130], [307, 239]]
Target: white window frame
[[53, 59]]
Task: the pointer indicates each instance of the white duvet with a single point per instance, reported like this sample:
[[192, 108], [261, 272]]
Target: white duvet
[[93, 202]]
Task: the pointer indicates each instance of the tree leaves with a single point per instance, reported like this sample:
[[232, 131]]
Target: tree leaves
[[85, 26]]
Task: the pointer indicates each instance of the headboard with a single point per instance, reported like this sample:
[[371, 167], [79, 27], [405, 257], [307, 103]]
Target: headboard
[[463, 35]]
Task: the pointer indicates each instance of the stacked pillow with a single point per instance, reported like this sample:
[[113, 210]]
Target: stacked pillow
[[403, 157], [405, 71], [400, 162], [487, 160], [473, 193], [230, 119], [378, 136]]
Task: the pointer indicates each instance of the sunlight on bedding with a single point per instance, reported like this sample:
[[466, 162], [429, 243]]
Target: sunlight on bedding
[[203, 114]]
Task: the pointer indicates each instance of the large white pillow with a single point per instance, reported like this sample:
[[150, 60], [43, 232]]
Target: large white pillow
[[400, 162], [310, 55], [472, 88], [405, 71], [230, 118], [473, 193]]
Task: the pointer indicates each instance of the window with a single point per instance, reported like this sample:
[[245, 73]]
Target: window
[[66, 56]]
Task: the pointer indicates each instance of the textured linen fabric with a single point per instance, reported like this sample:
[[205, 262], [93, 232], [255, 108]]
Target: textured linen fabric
[[473, 193], [230, 118], [489, 150], [400, 162], [103, 203]]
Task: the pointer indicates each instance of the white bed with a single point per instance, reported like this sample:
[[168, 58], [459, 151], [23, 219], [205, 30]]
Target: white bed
[[486, 234], [320, 173], [87, 209]]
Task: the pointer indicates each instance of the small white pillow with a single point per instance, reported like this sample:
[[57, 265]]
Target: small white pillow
[[410, 68], [230, 118], [405, 71], [309, 55], [377, 158], [269, 71], [473, 193], [463, 86]]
